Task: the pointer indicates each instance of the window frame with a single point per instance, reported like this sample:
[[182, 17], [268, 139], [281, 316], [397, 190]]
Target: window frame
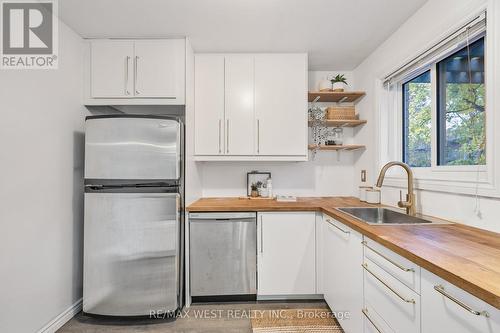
[[462, 179]]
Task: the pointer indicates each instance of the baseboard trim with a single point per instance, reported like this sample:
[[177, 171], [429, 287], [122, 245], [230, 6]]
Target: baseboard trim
[[62, 318], [302, 297]]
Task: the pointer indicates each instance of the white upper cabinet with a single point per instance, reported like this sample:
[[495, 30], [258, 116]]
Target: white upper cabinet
[[265, 107], [159, 69], [239, 92], [209, 96], [111, 69], [136, 72], [281, 104]]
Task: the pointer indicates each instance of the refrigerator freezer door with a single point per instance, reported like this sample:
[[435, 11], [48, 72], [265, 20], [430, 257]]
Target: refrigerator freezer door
[[132, 148], [131, 253]]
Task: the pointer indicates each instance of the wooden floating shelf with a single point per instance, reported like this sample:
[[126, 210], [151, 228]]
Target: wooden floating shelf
[[343, 123], [338, 147], [336, 97]]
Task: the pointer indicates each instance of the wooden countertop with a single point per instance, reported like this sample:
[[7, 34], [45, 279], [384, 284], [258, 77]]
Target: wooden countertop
[[466, 256]]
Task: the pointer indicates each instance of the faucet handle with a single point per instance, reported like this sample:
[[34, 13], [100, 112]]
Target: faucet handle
[[400, 195]]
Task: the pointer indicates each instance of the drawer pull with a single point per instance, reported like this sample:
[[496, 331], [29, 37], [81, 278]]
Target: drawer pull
[[407, 300], [388, 259], [333, 225], [440, 289], [365, 312]]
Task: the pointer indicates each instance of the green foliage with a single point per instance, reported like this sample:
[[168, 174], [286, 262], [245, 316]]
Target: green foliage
[[464, 138], [419, 125], [339, 78]]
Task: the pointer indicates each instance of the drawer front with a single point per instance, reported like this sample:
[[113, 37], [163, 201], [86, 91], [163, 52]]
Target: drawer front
[[373, 323], [398, 305], [447, 308], [401, 268]]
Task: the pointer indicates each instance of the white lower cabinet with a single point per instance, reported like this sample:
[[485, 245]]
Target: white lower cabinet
[[396, 304], [446, 308], [286, 260], [343, 275]]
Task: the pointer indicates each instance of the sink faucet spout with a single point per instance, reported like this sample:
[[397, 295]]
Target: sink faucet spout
[[409, 204]]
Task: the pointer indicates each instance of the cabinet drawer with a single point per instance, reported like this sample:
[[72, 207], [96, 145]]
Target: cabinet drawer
[[401, 268], [447, 308], [397, 305], [373, 323]]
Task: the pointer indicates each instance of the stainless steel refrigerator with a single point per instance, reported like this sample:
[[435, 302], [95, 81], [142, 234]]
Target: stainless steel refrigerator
[[133, 211]]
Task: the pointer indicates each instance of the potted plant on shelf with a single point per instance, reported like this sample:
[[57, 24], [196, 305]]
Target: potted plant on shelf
[[255, 190], [338, 83]]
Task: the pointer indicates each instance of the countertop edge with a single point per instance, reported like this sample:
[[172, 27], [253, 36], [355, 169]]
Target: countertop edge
[[472, 288]]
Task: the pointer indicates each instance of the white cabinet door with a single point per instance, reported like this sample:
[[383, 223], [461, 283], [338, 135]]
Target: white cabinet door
[[286, 254], [281, 104], [343, 280], [209, 104], [111, 69], [441, 314], [239, 99], [159, 68]]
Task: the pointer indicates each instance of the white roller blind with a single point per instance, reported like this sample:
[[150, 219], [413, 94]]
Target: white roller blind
[[457, 39]]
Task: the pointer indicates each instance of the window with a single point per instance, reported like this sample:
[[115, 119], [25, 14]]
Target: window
[[457, 85], [417, 121], [461, 107]]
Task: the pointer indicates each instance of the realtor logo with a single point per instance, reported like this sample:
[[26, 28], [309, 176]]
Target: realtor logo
[[29, 34]]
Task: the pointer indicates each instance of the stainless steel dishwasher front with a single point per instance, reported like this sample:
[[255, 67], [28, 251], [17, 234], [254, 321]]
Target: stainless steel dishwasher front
[[223, 256]]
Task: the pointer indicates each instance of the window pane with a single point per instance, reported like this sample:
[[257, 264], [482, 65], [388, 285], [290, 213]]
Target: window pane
[[417, 121], [461, 101]]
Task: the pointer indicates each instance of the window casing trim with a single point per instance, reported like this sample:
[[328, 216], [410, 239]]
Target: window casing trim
[[466, 179]]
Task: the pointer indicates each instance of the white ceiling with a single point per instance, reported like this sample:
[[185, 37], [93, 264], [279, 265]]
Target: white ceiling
[[337, 34]]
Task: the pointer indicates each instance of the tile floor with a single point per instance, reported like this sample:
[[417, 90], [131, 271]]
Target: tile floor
[[206, 318]]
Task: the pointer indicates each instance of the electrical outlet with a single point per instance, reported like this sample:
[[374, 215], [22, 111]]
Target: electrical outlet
[[363, 176]]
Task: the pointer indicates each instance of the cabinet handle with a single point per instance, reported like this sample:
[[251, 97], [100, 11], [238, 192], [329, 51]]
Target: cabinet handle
[[388, 259], [333, 225], [440, 289], [127, 59], [135, 74], [258, 136], [227, 136], [407, 300], [365, 312], [220, 126], [261, 235]]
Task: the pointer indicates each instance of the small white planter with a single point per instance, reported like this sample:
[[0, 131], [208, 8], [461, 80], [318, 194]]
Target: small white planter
[[338, 86]]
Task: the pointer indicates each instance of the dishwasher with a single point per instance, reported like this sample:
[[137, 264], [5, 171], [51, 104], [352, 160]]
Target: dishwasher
[[223, 256]]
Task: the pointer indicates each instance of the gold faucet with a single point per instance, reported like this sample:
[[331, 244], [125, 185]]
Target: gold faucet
[[409, 204]]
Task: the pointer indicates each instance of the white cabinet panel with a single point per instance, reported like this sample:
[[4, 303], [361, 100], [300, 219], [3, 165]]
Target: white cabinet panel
[[111, 69], [209, 104], [286, 254], [281, 104], [401, 268], [398, 305], [239, 97], [343, 280], [441, 314], [159, 68]]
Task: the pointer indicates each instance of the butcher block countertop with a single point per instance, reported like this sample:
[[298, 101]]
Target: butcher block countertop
[[466, 256]]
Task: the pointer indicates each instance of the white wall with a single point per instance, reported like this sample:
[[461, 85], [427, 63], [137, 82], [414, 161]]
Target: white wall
[[436, 17], [325, 175], [41, 192]]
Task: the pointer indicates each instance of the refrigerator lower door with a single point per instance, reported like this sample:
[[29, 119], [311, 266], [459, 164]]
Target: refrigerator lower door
[[132, 148], [131, 253]]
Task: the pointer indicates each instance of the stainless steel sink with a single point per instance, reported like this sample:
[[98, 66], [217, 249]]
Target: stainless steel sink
[[382, 216]]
